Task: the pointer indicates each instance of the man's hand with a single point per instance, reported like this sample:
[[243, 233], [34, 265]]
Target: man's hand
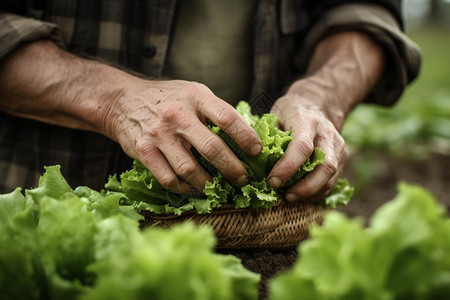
[[160, 121], [155, 122], [343, 70]]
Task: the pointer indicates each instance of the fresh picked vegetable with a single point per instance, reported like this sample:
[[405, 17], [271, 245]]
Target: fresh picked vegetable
[[141, 189]]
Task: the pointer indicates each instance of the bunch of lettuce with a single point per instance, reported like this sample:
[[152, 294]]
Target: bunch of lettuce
[[59, 243], [403, 254], [141, 189]]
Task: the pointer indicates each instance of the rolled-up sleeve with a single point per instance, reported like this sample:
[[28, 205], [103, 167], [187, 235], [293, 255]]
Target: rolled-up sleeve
[[403, 55], [17, 29]]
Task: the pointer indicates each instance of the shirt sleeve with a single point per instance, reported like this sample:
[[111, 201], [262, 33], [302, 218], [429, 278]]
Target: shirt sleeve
[[403, 55], [16, 29]]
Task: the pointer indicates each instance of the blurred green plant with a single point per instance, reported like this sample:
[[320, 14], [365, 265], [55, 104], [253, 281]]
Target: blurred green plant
[[400, 255], [419, 124]]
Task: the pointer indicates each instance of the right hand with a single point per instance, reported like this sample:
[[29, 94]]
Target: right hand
[[157, 122]]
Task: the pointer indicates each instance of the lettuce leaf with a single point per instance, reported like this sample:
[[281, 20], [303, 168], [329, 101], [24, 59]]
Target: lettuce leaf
[[18, 248], [141, 189], [340, 194], [166, 264], [403, 254], [84, 245]]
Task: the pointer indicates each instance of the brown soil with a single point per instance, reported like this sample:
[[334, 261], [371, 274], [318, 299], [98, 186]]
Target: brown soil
[[376, 178]]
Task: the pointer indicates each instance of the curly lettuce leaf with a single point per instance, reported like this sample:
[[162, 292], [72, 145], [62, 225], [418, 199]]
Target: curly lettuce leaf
[[245, 111], [217, 192], [141, 189], [340, 194], [258, 195]]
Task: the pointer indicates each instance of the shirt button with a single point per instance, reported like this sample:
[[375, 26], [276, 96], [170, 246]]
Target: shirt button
[[149, 50]]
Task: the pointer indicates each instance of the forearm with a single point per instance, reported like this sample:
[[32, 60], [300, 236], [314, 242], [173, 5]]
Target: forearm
[[42, 82], [343, 70], [155, 122]]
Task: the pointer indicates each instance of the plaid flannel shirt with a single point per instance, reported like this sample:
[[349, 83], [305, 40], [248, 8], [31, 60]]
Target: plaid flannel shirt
[[136, 36]]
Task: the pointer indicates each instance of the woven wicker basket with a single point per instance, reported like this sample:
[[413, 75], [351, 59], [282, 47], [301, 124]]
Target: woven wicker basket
[[281, 226]]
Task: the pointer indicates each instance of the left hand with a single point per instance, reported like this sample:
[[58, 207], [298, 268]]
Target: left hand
[[343, 69], [310, 128]]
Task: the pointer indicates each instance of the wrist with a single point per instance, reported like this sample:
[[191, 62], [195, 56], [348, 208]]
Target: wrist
[[317, 94], [61, 88], [343, 70], [103, 93]]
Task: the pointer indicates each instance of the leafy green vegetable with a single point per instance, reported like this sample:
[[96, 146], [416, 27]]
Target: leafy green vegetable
[[175, 264], [59, 243], [403, 254], [18, 247], [418, 125], [340, 194], [141, 189]]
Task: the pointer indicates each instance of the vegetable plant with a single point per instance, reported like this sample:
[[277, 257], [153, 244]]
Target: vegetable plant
[[141, 189]]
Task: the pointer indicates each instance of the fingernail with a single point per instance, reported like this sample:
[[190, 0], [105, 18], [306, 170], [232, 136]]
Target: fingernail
[[242, 180], [255, 149], [291, 197], [274, 182]]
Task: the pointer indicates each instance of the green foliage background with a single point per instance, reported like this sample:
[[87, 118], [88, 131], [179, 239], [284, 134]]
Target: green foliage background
[[419, 124]]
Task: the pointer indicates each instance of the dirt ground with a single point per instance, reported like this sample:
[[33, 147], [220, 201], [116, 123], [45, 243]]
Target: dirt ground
[[377, 178]]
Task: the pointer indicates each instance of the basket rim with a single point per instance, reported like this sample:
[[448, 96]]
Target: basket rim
[[226, 208]]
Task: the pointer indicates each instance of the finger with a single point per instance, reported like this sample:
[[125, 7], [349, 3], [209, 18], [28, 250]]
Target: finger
[[321, 194], [184, 164], [323, 177], [229, 120], [297, 152], [155, 161], [214, 149]]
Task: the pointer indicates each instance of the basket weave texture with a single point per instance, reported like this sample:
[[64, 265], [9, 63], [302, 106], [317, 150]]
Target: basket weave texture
[[282, 226]]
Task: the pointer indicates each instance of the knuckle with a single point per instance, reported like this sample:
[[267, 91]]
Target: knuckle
[[211, 146], [144, 148], [168, 180], [227, 116], [313, 118], [304, 146], [171, 112], [330, 166], [157, 131], [192, 90], [186, 168]]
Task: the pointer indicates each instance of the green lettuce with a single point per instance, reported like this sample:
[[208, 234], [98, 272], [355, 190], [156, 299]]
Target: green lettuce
[[166, 264], [60, 243], [141, 189], [340, 194], [403, 254], [18, 248]]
